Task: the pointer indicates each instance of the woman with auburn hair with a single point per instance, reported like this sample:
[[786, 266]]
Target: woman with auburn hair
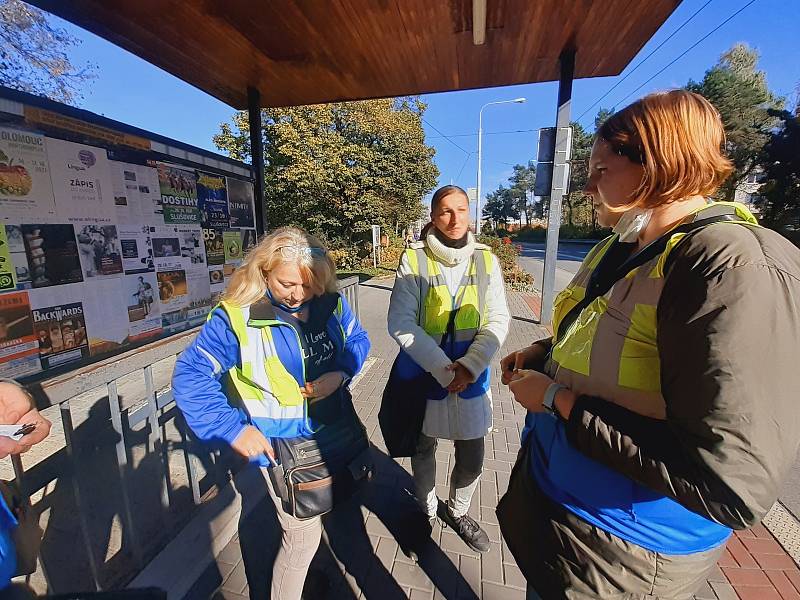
[[268, 374], [662, 412]]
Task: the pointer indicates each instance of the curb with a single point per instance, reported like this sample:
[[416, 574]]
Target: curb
[[785, 529]]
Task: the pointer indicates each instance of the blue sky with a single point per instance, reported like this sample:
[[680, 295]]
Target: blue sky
[[129, 89]]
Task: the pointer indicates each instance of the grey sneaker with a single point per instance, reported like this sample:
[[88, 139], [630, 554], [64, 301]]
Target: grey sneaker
[[467, 529]]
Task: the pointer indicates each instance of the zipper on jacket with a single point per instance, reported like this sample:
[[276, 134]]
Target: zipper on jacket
[[277, 323]]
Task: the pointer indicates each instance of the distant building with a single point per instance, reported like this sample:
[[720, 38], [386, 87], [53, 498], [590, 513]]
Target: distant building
[[748, 190]]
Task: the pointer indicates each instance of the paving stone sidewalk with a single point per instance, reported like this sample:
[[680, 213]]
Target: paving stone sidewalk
[[360, 553]]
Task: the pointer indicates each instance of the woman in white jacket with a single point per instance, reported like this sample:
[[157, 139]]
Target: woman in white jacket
[[449, 315]]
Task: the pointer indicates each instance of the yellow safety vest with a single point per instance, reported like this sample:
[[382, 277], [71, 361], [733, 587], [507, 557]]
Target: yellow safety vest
[[437, 303], [611, 348], [262, 377]]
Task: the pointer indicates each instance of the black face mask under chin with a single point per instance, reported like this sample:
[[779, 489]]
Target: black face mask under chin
[[449, 242]]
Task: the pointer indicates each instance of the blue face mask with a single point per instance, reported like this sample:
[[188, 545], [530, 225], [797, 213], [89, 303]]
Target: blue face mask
[[283, 307]]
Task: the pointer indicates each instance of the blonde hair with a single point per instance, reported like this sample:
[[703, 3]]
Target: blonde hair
[[678, 138], [249, 282]]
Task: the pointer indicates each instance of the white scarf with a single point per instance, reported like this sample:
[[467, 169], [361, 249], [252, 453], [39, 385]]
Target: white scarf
[[450, 256]]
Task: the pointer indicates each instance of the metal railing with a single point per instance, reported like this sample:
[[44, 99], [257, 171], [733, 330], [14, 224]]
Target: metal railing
[[129, 500]]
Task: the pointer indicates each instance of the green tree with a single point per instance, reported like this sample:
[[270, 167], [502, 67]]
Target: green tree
[[602, 116], [780, 193], [739, 91], [34, 55], [522, 183], [577, 207], [501, 206], [336, 169]]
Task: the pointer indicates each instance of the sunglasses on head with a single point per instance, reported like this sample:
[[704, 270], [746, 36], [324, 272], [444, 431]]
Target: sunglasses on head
[[294, 252]]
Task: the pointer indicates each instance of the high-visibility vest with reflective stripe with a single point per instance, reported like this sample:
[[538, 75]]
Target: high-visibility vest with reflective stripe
[[438, 307], [611, 351], [262, 383]]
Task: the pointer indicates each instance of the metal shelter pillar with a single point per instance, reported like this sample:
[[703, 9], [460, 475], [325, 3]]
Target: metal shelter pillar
[[257, 155], [558, 188]]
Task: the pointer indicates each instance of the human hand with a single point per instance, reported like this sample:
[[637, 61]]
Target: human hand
[[251, 444], [16, 408], [323, 386], [462, 378], [529, 387], [526, 358]]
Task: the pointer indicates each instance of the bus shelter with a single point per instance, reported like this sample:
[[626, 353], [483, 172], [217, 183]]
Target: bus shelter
[[289, 53]]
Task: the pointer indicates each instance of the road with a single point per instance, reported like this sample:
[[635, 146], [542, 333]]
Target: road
[[569, 259]]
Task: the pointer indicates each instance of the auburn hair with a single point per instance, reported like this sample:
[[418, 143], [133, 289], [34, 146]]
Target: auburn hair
[[678, 138], [249, 281]]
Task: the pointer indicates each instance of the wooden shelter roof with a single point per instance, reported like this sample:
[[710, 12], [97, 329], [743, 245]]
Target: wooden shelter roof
[[298, 52]]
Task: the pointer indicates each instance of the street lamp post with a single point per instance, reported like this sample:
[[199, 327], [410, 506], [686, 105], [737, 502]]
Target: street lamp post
[[480, 139]]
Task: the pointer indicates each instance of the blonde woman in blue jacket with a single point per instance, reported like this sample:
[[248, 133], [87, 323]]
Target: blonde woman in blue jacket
[[271, 365]]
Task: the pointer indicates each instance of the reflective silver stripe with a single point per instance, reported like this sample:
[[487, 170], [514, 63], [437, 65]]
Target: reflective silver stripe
[[270, 409], [256, 354], [424, 284], [214, 362], [482, 282]]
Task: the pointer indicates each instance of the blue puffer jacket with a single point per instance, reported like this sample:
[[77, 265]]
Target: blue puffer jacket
[[197, 381]]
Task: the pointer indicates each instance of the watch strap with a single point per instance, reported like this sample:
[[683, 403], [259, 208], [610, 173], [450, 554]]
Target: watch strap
[[550, 397]]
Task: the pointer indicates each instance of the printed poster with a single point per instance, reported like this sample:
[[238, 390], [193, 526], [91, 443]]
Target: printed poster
[[8, 274], [240, 201], [137, 249], [215, 256], [216, 278], [184, 287], [215, 248], [212, 200], [144, 309], [103, 309], [178, 246], [61, 331], [232, 238], [106, 315], [19, 349], [173, 289], [249, 240], [178, 195], [52, 254], [81, 177], [19, 259], [137, 194], [100, 250], [25, 188], [193, 247]]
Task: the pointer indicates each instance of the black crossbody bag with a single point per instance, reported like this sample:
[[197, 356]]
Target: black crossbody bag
[[317, 473]]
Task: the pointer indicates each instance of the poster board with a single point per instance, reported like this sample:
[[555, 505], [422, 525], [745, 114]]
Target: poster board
[[98, 255]]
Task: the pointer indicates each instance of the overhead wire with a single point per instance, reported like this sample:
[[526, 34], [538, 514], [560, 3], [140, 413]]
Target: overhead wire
[[644, 60], [685, 52]]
